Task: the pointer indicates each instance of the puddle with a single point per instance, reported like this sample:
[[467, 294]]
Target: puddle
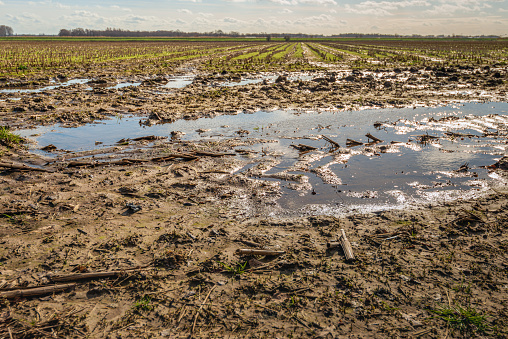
[[175, 82], [179, 81], [47, 88], [268, 78], [124, 84], [416, 163]]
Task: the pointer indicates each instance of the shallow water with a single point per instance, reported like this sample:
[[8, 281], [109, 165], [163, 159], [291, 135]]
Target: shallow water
[[179, 81], [363, 178], [46, 88]]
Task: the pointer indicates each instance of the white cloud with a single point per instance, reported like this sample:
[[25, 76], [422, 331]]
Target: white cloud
[[1, 3], [449, 9], [284, 2], [230, 20], [61, 6], [318, 2], [286, 11], [24, 18], [115, 7], [184, 11], [383, 8], [317, 20], [205, 15]]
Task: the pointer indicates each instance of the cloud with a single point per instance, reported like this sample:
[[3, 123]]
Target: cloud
[[137, 19], [24, 18], [1, 3], [318, 2], [121, 8], [384, 8], [449, 9], [286, 11], [61, 6], [230, 20], [205, 15], [315, 20], [184, 11], [284, 2]]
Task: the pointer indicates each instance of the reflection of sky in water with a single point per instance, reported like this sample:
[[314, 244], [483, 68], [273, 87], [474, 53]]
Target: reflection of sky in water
[[384, 174], [179, 82]]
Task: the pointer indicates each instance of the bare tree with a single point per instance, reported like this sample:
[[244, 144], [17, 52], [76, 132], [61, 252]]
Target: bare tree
[[6, 30]]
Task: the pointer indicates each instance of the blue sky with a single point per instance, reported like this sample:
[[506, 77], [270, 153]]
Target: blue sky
[[470, 17]]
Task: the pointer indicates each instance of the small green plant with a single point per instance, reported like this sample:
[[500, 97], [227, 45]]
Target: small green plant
[[388, 308], [237, 270], [8, 138], [462, 287], [144, 304], [465, 320], [293, 301]]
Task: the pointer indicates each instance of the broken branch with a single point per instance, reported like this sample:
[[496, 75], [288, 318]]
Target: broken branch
[[370, 136], [249, 251], [35, 291], [23, 167], [330, 141]]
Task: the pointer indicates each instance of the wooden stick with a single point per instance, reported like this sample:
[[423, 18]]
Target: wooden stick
[[258, 252], [304, 148], [212, 154], [346, 246], [93, 275], [370, 136], [149, 138], [352, 143], [333, 244], [36, 291], [330, 141], [201, 307], [23, 167], [250, 243]]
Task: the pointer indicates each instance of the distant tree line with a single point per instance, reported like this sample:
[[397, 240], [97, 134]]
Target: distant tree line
[[6, 30], [117, 32]]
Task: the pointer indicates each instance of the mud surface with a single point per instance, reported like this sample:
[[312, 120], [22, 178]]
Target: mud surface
[[82, 101], [171, 214]]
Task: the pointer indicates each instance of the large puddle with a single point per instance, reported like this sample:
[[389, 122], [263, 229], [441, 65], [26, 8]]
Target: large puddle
[[427, 154]]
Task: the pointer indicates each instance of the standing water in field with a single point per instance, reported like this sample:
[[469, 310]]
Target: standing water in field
[[410, 156]]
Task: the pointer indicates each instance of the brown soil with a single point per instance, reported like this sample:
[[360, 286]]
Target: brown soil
[[332, 90], [173, 228]]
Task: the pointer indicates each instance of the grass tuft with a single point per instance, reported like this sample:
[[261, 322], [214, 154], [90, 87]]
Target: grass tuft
[[8, 138], [236, 270], [465, 320]]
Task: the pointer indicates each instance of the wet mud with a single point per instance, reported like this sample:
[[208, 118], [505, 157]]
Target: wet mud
[[139, 237]]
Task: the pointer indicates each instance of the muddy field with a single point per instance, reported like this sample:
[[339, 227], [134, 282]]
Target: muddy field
[[155, 234]]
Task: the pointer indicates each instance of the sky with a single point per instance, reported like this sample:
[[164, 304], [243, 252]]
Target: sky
[[434, 17]]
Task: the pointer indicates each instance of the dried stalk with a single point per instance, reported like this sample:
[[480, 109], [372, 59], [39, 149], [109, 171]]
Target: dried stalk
[[248, 251], [200, 308]]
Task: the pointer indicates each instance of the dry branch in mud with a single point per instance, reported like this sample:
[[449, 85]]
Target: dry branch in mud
[[35, 291], [23, 167]]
